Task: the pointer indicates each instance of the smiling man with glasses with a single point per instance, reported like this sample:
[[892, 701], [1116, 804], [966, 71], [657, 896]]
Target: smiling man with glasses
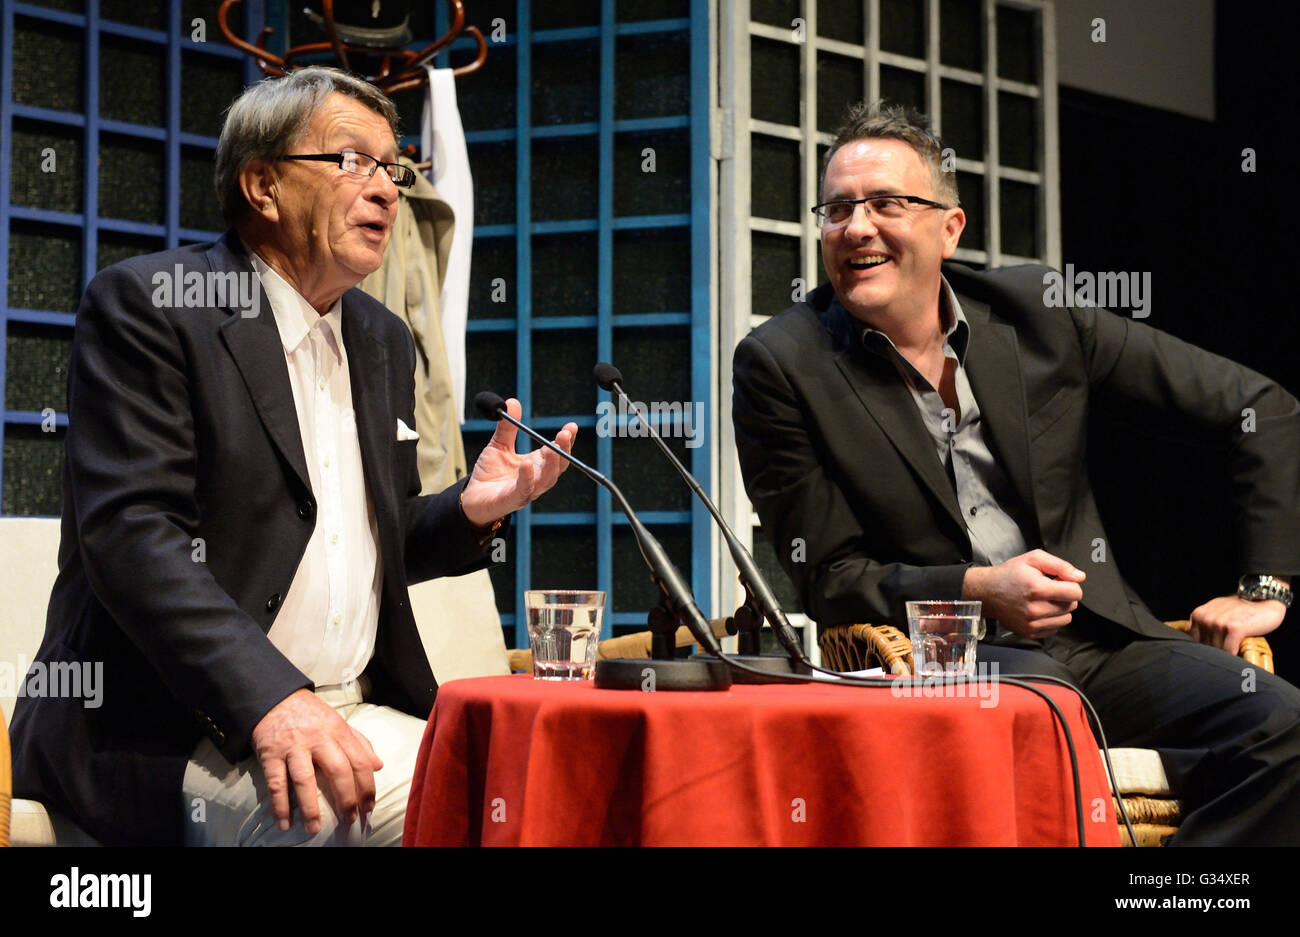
[[918, 430], [242, 510]]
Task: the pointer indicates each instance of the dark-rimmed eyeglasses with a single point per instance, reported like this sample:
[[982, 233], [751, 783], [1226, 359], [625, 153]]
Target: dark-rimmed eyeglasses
[[879, 207], [362, 164]]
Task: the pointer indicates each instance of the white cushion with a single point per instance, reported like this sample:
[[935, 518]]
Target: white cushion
[[31, 824], [29, 553], [1140, 771], [460, 627]]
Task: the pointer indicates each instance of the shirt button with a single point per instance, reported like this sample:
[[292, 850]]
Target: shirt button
[[327, 462], [334, 538], [973, 510], [336, 619]]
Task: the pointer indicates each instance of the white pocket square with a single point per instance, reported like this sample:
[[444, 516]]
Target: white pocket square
[[405, 433]]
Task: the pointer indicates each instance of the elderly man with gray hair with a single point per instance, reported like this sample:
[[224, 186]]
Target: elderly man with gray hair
[[241, 512]]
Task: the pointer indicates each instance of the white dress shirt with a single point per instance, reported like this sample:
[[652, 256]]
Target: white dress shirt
[[327, 624]]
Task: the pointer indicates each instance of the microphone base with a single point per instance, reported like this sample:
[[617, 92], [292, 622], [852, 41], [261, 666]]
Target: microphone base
[[699, 674], [769, 663]]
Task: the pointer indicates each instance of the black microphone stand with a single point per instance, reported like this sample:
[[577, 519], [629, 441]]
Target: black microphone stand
[[663, 671], [747, 623]]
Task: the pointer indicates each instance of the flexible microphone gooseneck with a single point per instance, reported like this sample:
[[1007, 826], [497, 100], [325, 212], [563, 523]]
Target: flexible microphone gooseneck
[[611, 379]]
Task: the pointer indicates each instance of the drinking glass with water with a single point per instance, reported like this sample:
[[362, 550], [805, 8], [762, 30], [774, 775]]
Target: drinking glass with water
[[944, 637], [563, 631]]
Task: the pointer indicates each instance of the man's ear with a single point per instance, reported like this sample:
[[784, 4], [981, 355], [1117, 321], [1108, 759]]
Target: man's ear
[[260, 187], [953, 225]]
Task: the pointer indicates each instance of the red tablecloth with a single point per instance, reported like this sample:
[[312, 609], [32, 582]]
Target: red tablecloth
[[514, 761]]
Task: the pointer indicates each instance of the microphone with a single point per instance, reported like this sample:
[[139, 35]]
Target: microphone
[[662, 571], [611, 379]]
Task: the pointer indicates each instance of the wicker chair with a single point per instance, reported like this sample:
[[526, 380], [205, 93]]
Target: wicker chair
[[1139, 774]]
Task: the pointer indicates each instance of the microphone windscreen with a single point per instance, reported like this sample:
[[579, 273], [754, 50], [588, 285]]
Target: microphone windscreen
[[606, 374], [489, 404]]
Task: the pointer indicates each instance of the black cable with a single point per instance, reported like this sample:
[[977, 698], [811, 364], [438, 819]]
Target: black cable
[[886, 682]]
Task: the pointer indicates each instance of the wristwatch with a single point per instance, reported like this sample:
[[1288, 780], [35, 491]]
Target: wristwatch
[[1257, 587]]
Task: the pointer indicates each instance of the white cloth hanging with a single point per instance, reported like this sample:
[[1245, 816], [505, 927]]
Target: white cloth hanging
[[442, 140]]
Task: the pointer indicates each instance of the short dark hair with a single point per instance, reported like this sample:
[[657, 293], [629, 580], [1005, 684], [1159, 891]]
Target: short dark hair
[[273, 114], [880, 121]]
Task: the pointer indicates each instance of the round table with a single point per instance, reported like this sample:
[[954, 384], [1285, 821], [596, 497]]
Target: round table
[[517, 761]]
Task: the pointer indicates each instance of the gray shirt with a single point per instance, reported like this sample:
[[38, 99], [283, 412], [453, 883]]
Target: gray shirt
[[989, 504]]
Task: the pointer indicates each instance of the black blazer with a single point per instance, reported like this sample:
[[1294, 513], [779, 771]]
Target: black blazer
[[182, 427], [845, 478]]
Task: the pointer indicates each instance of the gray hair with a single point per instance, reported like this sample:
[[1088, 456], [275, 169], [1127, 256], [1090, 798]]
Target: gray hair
[[272, 115], [880, 121]]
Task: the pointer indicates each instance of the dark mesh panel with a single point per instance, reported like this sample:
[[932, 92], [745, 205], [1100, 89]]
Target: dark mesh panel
[[564, 274], [48, 67], [566, 15], [36, 366], [494, 182], [652, 270], [839, 20], [489, 365], [632, 587], [776, 263], [1019, 204], [131, 179], [208, 86], [562, 363], [652, 77], [774, 178], [564, 178], [970, 186], [1017, 131], [774, 81], [132, 81], [493, 258], [643, 472], [566, 82], [902, 27], [29, 183], [774, 12], [114, 246], [563, 558], [629, 11], [1018, 44], [574, 491], [963, 118], [486, 98], [206, 10], [44, 267], [901, 86], [68, 6], [33, 462], [961, 34], [666, 190], [656, 362], [149, 14], [199, 208], [839, 85]]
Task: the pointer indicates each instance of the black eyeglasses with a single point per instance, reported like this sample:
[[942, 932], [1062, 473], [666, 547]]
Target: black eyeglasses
[[362, 165], [880, 207]]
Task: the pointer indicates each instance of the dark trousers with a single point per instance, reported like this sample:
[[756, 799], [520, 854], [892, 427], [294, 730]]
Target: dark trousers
[[1228, 733]]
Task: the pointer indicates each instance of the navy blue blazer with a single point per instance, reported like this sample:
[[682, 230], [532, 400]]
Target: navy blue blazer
[[181, 426]]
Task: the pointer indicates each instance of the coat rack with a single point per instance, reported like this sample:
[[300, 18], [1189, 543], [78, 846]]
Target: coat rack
[[399, 69]]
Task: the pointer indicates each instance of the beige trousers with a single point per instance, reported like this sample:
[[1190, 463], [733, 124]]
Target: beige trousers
[[228, 805]]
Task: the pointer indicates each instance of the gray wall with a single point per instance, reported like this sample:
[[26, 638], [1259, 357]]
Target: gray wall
[[1159, 53]]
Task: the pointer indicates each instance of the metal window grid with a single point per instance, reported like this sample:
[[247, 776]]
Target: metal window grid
[[737, 223]]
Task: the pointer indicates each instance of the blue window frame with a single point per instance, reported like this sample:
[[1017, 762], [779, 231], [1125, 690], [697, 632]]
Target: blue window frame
[[602, 260]]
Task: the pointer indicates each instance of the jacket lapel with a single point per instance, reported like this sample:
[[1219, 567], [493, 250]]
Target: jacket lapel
[[993, 367], [376, 422], [889, 403], [254, 343]]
